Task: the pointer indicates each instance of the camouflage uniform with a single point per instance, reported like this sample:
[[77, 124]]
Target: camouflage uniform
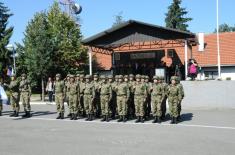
[[73, 94], [140, 95], [131, 104], [59, 96], [181, 88], [82, 87], [97, 106], [14, 97], [113, 106], [67, 82], [165, 86], [25, 93], [174, 96], [123, 94], [148, 98], [156, 99], [105, 98], [89, 96]]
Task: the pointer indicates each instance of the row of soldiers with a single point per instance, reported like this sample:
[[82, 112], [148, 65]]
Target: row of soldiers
[[126, 96], [19, 89]]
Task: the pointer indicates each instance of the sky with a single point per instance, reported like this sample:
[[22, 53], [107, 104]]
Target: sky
[[99, 15]]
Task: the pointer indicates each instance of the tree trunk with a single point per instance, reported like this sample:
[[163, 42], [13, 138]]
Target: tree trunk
[[43, 90]]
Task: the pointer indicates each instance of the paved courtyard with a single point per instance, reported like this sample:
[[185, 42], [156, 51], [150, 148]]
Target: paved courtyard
[[202, 131]]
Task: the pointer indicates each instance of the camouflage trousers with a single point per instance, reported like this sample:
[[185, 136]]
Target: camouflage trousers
[[59, 100], [139, 105], [88, 104], [156, 104], [104, 99], [25, 99], [73, 104], [122, 105], [173, 106], [14, 100], [179, 107]]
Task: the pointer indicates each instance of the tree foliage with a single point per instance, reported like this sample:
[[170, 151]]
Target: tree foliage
[[5, 35], [175, 17], [225, 28], [118, 19]]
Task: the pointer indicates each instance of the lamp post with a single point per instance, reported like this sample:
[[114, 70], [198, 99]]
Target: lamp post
[[218, 41], [11, 48]]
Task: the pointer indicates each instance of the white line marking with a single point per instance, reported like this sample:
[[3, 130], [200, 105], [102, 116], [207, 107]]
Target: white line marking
[[127, 123]]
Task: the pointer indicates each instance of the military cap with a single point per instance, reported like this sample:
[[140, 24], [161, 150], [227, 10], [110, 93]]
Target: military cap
[[71, 76], [173, 78], [68, 75], [142, 76], [58, 75], [87, 76], [146, 77], [23, 75], [131, 75], [161, 77], [78, 75], [177, 78], [82, 76], [110, 77], [95, 75], [156, 77], [120, 76], [102, 77], [138, 76], [116, 76], [126, 76]]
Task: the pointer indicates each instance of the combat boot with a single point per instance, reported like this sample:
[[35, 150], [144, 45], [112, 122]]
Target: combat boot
[[172, 120], [107, 118], [25, 115], [175, 120], [138, 119], [159, 119], [178, 118], [71, 116], [91, 117], [13, 114], [120, 118], [142, 119], [104, 118], [28, 114], [62, 116], [88, 117], [0, 113], [124, 118], [155, 119], [17, 114], [75, 117], [59, 116]]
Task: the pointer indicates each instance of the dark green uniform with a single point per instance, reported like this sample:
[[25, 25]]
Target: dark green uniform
[[181, 88], [89, 96]]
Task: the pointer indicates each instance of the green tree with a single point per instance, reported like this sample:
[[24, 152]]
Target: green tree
[[38, 49], [118, 19], [68, 51], [5, 35], [175, 17], [225, 28]]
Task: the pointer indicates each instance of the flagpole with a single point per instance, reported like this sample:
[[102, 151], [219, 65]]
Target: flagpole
[[218, 41]]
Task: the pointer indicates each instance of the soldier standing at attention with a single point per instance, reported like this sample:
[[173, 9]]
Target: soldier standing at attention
[[25, 93], [105, 98], [181, 88], [123, 94], [82, 87], [14, 96], [113, 106], [140, 95], [97, 85], [80, 108], [89, 96], [131, 104], [156, 99], [165, 86], [73, 94], [67, 82], [148, 98], [59, 96], [174, 96]]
